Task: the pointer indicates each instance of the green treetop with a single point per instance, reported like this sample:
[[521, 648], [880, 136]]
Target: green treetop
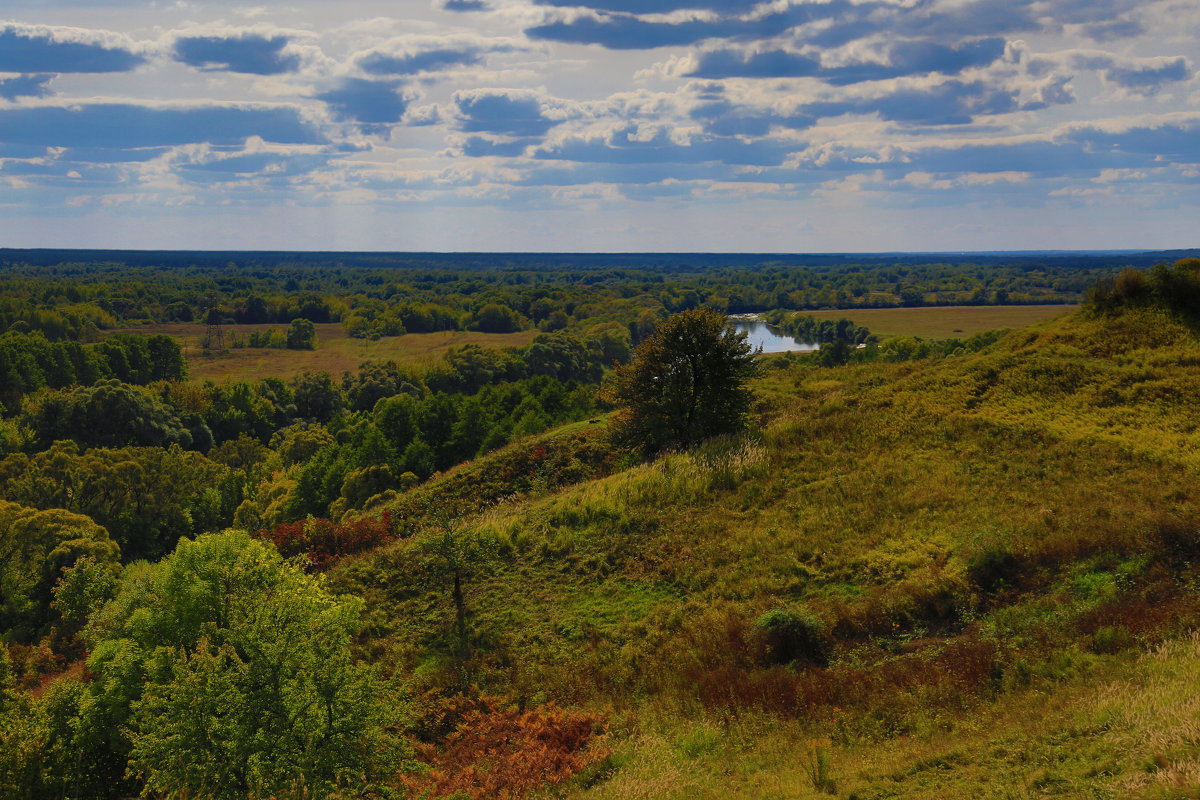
[[686, 383]]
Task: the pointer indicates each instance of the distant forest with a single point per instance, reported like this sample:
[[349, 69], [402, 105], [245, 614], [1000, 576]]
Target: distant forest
[[70, 294]]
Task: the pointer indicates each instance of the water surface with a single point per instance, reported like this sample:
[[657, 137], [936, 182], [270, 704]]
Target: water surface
[[759, 334]]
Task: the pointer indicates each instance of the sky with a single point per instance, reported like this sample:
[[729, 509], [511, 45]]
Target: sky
[[600, 125]]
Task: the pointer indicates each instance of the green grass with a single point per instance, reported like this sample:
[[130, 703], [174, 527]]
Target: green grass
[[1122, 728], [946, 322], [866, 498], [336, 352]]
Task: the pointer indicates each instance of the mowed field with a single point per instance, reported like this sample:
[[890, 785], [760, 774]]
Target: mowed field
[[945, 322], [336, 352]]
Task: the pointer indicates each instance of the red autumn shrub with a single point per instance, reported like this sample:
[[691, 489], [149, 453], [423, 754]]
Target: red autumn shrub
[[498, 751], [325, 541]]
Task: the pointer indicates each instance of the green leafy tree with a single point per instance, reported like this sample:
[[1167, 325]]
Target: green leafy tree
[[83, 589], [109, 414], [226, 672], [301, 335], [34, 547], [318, 397], [686, 383], [301, 442], [23, 735], [495, 318]]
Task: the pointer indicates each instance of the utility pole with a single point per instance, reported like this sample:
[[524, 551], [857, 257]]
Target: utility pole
[[214, 333]]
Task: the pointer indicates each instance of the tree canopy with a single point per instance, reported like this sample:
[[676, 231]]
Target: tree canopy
[[686, 383], [226, 672], [34, 546]]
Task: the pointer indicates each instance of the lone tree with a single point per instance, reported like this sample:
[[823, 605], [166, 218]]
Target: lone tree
[[686, 383], [301, 335]]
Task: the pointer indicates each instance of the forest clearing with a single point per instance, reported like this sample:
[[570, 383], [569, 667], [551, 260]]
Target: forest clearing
[[336, 351]]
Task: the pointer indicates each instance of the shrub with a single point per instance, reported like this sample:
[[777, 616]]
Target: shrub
[[501, 751], [1110, 639], [301, 335], [324, 541], [790, 636], [994, 568], [1179, 538]]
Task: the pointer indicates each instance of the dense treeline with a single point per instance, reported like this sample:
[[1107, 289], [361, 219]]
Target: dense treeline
[[843, 342], [389, 296], [819, 331], [1174, 286], [145, 497], [30, 361]]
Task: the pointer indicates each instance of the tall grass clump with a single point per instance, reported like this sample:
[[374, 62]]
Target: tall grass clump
[[815, 761], [719, 464]]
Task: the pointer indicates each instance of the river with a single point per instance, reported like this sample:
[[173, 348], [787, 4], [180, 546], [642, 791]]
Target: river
[[759, 334]]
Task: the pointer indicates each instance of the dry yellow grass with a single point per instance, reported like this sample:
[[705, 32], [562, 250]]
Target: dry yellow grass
[[336, 352], [944, 322]]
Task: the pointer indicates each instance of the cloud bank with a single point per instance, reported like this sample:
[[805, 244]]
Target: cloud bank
[[633, 116]]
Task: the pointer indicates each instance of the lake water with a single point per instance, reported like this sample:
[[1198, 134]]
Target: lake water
[[759, 334]]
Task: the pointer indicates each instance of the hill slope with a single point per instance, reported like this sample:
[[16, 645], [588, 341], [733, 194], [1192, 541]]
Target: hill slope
[[963, 542]]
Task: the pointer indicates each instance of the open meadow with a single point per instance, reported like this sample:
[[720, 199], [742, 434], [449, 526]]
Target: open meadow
[[336, 352], [944, 322]]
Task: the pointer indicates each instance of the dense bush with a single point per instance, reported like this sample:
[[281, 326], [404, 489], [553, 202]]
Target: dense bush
[[793, 636], [499, 750], [301, 335], [994, 568], [323, 541]]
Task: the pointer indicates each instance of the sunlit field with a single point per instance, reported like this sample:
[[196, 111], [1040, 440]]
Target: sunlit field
[[336, 352]]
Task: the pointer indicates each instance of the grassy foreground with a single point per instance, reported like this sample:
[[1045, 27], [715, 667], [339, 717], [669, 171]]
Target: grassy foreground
[[996, 551], [1123, 727]]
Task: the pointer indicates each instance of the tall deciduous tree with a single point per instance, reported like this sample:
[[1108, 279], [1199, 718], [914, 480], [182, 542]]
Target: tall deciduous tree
[[34, 547], [686, 383], [225, 672]]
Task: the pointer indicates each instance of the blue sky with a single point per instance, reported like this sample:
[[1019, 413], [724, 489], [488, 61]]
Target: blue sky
[[609, 125]]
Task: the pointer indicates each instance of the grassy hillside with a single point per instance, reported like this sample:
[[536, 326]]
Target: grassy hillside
[[927, 579], [944, 322]]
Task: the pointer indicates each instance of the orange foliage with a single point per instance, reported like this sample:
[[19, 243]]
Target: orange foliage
[[498, 751]]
